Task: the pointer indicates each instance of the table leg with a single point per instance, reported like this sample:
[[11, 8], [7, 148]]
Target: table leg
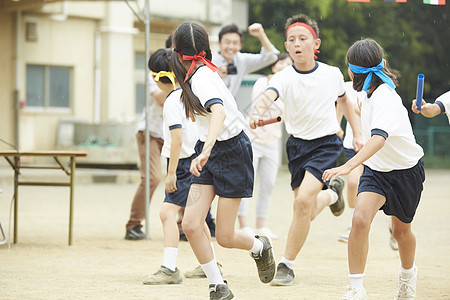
[[16, 196], [72, 175]]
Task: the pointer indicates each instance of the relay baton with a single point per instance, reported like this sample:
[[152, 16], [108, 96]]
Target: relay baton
[[419, 93], [269, 121]]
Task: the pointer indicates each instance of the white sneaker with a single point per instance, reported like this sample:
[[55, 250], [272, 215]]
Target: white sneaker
[[267, 232], [406, 288], [354, 293], [344, 237], [248, 231]]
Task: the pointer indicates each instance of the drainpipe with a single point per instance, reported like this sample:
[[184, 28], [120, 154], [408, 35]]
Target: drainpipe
[[97, 76], [17, 87]]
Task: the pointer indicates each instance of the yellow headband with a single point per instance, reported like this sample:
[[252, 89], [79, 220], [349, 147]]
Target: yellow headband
[[169, 75]]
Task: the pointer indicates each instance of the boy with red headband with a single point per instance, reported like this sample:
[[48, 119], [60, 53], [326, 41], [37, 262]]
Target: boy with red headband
[[309, 90]]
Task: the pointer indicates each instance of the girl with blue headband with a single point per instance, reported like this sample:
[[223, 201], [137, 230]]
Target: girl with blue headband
[[393, 169]]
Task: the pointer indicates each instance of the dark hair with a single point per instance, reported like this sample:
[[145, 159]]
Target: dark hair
[[232, 28], [302, 19], [367, 53], [281, 56], [169, 42], [160, 61], [190, 38]]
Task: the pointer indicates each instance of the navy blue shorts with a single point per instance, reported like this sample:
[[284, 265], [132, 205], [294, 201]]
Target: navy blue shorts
[[229, 167], [184, 178], [401, 188], [316, 156], [349, 153]]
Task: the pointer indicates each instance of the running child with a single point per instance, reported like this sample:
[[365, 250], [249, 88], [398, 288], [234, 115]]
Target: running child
[[431, 110], [393, 170], [180, 136], [223, 165], [309, 90]]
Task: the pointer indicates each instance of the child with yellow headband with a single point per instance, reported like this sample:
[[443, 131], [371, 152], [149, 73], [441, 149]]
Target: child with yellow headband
[[180, 136], [309, 90]]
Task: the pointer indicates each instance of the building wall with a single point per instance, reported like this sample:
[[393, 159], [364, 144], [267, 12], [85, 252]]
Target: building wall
[[7, 81], [99, 40]]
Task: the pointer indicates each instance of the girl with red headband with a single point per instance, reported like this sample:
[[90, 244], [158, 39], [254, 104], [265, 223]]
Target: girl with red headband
[[309, 90], [223, 165]]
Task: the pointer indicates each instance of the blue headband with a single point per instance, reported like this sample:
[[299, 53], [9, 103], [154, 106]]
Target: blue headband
[[376, 70]]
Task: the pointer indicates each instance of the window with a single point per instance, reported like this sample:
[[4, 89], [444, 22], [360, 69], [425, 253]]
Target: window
[[48, 86]]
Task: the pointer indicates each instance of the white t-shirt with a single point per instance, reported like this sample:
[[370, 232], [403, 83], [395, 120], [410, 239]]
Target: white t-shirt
[[445, 99], [352, 95], [270, 134], [155, 112], [245, 63], [209, 88], [175, 117], [309, 99], [384, 110]]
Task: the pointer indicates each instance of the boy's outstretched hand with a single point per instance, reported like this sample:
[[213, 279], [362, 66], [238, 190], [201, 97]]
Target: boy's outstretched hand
[[428, 110]]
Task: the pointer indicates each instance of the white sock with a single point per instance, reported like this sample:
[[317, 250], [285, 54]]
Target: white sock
[[333, 196], [257, 246], [287, 262], [407, 273], [170, 258], [356, 280], [351, 211], [212, 272]]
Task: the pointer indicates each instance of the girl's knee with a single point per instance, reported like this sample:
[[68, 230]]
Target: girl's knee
[[190, 227], [225, 240]]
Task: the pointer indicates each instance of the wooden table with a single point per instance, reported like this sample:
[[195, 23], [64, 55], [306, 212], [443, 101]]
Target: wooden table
[[14, 159]]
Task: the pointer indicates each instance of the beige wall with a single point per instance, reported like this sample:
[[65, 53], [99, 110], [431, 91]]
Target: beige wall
[[71, 44], [68, 35], [7, 75]]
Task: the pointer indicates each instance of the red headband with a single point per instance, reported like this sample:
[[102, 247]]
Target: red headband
[[307, 27], [195, 58]]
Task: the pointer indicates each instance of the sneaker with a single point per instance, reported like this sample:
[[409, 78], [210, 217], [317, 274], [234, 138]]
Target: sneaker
[[406, 288], [164, 276], [284, 277], [265, 260], [198, 272], [220, 292], [344, 237], [267, 232], [337, 185], [248, 231], [354, 293], [135, 234], [393, 242]]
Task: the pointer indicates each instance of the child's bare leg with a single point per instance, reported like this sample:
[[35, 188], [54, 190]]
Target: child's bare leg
[[226, 235], [406, 242], [366, 208], [168, 216], [198, 203], [305, 196]]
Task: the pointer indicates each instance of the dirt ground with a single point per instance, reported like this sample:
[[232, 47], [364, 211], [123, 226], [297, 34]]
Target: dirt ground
[[102, 265]]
